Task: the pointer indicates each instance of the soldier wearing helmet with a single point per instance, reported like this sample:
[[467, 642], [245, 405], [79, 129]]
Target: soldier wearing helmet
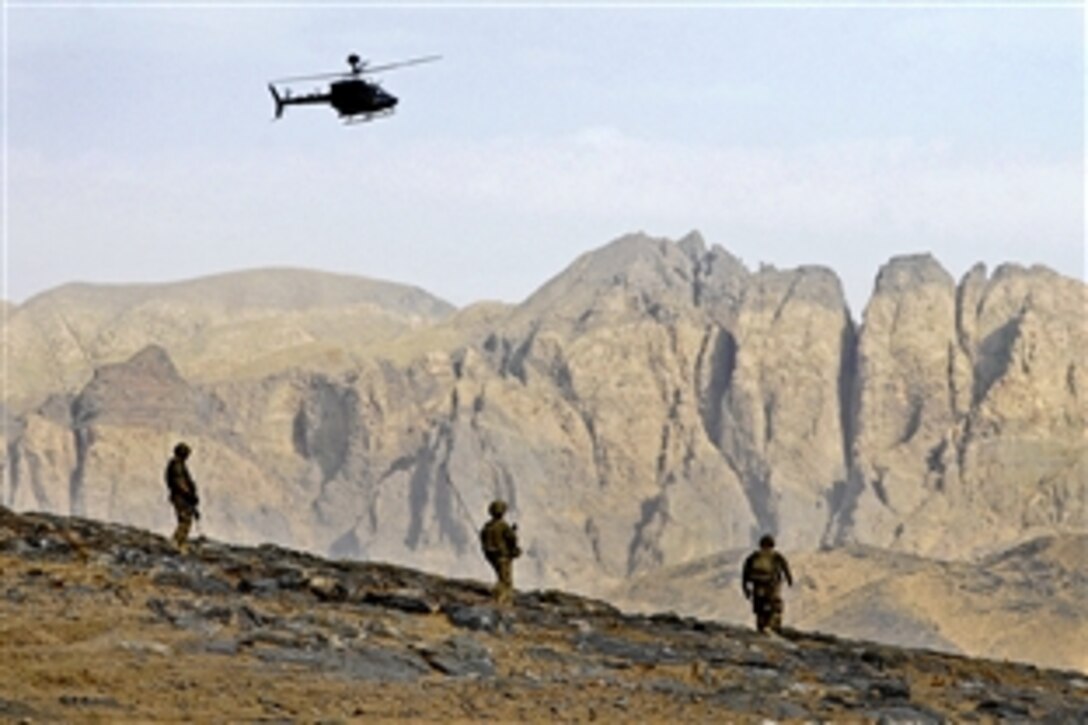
[[762, 576], [183, 495], [499, 541]]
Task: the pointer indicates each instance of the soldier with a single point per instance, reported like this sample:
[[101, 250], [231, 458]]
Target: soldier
[[763, 573], [182, 495], [500, 544]]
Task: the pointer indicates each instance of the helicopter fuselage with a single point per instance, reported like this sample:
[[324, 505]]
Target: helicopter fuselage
[[356, 96]]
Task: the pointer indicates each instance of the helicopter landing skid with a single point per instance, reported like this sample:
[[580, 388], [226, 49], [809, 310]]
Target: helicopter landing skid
[[366, 117]]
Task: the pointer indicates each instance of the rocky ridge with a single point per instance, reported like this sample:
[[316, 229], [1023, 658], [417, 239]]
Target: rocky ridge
[[213, 327], [230, 632]]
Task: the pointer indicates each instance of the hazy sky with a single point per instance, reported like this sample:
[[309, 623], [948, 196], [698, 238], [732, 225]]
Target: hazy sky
[[140, 146]]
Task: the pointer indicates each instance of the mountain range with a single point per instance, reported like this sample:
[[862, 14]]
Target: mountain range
[[656, 405]]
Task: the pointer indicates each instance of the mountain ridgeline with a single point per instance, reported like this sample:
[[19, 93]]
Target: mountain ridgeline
[[653, 404]]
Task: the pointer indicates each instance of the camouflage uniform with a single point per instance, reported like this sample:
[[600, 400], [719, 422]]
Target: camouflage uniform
[[500, 545], [182, 495], [763, 574]]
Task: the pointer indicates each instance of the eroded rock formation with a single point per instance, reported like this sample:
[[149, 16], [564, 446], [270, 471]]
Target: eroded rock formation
[[654, 403]]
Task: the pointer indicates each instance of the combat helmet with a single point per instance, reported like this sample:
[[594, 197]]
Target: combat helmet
[[766, 542], [497, 508], [182, 450]]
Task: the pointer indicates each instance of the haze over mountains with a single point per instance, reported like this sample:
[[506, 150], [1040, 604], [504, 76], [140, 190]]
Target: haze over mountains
[[654, 404]]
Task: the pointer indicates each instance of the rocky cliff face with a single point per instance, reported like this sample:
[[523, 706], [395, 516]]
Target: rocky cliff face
[[971, 410], [654, 403]]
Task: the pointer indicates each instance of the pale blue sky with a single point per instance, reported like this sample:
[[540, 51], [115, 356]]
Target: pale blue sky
[[140, 146]]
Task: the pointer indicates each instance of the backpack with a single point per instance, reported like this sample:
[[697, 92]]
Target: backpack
[[179, 483], [762, 566], [492, 538]]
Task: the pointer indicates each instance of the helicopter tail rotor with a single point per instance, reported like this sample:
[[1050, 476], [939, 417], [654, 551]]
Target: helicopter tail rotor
[[278, 99]]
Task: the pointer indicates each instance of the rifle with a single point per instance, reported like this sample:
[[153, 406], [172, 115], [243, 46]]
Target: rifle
[[194, 506]]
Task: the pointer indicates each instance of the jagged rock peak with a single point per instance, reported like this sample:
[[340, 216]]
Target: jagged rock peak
[[630, 258], [1011, 273], [693, 245], [974, 278], [152, 361], [147, 388], [1013, 270], [813, 284], [977, 271], [654, 270], [907, 272]]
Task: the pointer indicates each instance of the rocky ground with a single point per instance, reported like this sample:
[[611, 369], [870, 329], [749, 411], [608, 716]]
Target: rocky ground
[[103, 622]]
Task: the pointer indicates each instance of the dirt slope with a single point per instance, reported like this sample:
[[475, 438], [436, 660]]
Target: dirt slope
[[105, 623]]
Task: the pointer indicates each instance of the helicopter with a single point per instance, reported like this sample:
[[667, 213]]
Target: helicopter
[[354, 97]]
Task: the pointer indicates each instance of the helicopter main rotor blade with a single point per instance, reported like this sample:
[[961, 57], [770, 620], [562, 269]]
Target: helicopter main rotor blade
[[314, 77], [362, 69], [400, 64]]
